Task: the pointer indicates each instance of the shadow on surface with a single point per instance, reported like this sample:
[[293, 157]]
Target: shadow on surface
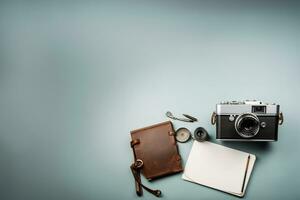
[[250, 147]]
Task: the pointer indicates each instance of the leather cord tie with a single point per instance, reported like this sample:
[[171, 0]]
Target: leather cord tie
[[135, 169]]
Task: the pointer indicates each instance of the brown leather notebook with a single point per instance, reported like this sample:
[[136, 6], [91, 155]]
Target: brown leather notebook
[[155, 153]]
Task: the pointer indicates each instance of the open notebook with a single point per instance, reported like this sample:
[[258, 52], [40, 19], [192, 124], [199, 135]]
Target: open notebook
[[219, 167]]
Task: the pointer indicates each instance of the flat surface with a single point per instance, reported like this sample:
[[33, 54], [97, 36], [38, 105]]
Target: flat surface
[[77, 76]]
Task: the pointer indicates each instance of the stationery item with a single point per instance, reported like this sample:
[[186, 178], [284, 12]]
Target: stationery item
[[245, 175], [219, 167], [187, 118], [182, 134], [155, 154]]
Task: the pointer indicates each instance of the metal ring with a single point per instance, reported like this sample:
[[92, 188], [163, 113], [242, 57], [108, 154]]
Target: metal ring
[[138, 163], [248, 115], [280, 118], [213, 118]]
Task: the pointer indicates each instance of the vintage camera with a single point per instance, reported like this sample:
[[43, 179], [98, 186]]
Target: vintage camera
[[247, 121]]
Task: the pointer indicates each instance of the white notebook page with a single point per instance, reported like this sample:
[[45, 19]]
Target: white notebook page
[[218, 167]]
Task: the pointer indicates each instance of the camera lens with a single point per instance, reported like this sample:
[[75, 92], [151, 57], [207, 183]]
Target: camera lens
[[200, 134], [247, 125]]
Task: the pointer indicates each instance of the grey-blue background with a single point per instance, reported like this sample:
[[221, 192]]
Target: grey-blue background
[[76, 77]]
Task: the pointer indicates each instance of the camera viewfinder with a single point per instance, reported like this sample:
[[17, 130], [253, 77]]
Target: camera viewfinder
[[259, 109]]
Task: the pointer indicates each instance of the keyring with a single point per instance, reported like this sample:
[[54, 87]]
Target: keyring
[[188, 118]]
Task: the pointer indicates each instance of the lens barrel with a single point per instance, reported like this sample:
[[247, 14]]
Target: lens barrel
[[247, 125]]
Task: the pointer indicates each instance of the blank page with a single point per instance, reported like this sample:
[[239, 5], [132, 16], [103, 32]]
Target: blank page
[[218, 167]]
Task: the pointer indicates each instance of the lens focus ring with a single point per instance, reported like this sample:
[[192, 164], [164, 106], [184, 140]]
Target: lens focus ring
[[247, 125]]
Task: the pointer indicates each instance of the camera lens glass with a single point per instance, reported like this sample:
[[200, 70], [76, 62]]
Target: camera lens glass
[[247, 125]]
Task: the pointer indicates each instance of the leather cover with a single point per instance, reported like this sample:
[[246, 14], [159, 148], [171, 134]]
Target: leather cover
[[156, 147]]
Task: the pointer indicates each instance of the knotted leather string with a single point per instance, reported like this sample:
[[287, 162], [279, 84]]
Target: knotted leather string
[[135, 169]]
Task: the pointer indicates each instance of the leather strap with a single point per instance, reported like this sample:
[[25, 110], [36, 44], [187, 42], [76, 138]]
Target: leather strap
[[136, 175], [138, 187], [134, 142], [135, 169]]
